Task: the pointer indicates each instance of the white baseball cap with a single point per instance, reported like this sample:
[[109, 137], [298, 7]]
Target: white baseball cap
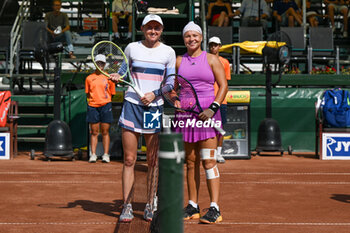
[[215, 40], [150, 18], [100, 57]]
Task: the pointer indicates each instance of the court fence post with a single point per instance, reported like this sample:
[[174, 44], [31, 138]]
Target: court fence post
[[171, 160]]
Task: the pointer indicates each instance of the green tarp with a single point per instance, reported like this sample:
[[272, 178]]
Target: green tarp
[[73, 112], [293, 108]]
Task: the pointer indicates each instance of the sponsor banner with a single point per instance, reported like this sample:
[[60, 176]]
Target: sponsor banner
[[4, 145], [335, 146], [238, 97]]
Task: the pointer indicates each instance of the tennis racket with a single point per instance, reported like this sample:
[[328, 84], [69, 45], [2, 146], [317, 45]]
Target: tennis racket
[[116, 63], [175, 88], [153, 185]]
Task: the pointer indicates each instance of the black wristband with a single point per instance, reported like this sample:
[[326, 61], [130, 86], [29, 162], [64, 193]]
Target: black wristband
[[214, 107]]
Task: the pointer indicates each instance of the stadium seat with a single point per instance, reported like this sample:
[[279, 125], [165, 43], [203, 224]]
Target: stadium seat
[[298, 42], [224, 33], [34, 35], [248, 34], [33, 43], [321, 47]]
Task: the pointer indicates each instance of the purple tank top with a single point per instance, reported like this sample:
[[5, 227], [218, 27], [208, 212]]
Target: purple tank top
[[198, 72]]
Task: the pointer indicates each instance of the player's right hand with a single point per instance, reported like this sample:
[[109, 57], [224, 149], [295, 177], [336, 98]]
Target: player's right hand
[[115, 77]]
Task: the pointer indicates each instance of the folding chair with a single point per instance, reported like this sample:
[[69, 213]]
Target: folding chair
[[321, 47], [248, 34], [33, 42], [225, 35], [33, 35], [298, 41]]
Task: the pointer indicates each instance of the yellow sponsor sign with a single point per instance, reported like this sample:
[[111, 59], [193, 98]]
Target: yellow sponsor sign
[[118, 97], [238, 97]]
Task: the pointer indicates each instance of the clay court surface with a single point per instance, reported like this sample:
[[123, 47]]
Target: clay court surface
[[293, 193]]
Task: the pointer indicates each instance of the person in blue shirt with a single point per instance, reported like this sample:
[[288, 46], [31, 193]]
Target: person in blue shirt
[[250, 13], [287, 12]]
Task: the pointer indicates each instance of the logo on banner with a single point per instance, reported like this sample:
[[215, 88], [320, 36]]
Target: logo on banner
[[337, 146], [2, 146], [151, 120]]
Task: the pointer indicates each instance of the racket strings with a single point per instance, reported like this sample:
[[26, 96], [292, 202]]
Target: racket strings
[[179, 89], [115, 62]]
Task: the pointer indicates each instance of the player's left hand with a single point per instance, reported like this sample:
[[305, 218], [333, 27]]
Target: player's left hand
[[148, 98], [206, 114]]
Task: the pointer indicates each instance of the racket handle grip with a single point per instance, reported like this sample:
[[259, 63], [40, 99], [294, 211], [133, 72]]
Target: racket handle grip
[[219, 129], [138, 91]]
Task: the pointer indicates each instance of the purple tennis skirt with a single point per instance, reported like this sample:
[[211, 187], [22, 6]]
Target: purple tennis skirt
[[191, 127]]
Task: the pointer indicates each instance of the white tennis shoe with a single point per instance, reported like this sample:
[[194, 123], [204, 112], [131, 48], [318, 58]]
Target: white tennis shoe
[[220, 158], [148, 213], [127, 213], [105, 158], [93, 158]]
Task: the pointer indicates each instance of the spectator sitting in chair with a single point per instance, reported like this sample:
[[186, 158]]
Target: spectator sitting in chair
[[287, 12], [219, 13], [313, 15], [338, 7], [250, 11], [122, 10], [58, 26]]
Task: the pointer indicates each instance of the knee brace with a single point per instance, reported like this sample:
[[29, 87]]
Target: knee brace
[[208, 154], [212, 173]]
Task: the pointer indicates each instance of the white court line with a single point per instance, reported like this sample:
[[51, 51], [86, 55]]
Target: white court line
[[56, 182], [222, 173], [288, 173], [189, 223], [117, 182], [60, 173], [58, 223], [284, 182], [283, 223]]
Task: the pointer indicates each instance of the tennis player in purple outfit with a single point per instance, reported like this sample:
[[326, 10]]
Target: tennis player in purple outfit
[[202, 70]]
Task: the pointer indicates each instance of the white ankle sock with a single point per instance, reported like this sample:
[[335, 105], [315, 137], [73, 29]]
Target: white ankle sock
[[213, 204], [195, 205], [219, 150], [116, 34]]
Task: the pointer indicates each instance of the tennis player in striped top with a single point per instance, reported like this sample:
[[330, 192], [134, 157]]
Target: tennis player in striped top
[[150, 61]]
